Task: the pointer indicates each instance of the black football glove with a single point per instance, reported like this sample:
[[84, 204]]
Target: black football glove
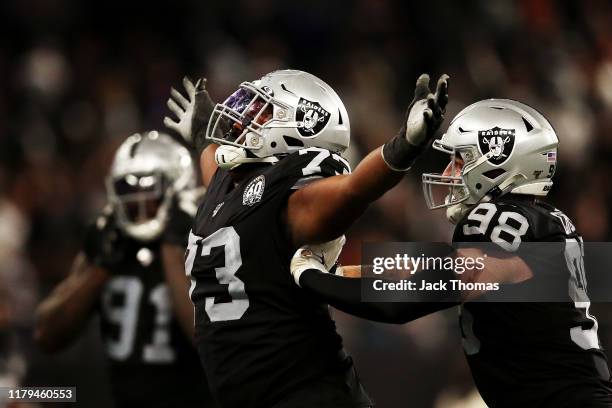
[[192, 112], [423, 119], [105, 245]]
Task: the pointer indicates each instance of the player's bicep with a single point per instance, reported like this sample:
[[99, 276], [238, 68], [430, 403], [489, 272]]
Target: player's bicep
[[321, 210]]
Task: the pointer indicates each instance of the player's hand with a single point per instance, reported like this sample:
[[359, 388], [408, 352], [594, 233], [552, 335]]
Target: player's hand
[[105, 245], [426, 111], [423, 119], [192, 111], [322, 257]]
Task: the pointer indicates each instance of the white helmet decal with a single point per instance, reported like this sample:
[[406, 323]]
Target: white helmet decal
[[500, 142], [311, 117]]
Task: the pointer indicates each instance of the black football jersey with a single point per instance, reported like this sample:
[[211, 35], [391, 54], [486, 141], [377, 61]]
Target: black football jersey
[[260, 336], [544, 354], [150, 357]]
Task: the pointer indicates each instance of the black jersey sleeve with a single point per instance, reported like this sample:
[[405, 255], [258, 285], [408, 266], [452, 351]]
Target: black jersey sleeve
[[307, 165], [345, 294]]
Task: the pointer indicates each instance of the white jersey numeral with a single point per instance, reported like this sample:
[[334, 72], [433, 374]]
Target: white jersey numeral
[[229, 239], [574, 257], [125, 315], [314, 166], [515, 233], [159, 350], [483, 213]]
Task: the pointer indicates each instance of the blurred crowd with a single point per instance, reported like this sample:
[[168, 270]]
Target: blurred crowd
[[79, 77]]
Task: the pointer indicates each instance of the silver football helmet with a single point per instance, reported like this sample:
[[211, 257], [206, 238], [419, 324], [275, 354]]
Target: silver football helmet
[[278, 114], [148, 170], [505, 146]]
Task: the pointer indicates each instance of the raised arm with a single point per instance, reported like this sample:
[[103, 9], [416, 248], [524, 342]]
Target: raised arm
[[61, 316], [192, 114], [326, 208]]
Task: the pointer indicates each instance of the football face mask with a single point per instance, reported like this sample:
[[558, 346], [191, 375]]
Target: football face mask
[[448, 188], [139, 197], [239, 121]]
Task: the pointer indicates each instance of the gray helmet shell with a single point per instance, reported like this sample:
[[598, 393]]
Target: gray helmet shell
[[155, 154], [506, 147]]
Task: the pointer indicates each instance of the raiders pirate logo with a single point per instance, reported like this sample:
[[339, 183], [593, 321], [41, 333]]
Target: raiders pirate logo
[[253, 191], [498, 142], [311, 117]]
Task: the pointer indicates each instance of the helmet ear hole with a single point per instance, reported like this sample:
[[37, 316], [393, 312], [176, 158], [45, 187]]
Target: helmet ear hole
[[494, 173]]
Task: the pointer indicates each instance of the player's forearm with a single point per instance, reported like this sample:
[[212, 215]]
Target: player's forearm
[[178, 286], [345, 294], [61, 316], [499, 270], [371, 179]]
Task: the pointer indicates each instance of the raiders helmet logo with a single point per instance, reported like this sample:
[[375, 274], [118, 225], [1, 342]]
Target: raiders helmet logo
[[498, 142], [311, 117]]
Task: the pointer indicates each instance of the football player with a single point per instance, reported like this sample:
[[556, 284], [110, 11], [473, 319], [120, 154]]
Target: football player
[[276, 180], [503, 155], [130, 272]]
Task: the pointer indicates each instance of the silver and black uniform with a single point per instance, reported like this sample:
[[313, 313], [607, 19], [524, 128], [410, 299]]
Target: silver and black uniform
[[544, 354], [521, 354], [263, 341], [152, 362]]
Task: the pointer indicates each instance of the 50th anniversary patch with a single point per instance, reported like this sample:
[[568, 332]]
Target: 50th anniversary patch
[[253, 191]]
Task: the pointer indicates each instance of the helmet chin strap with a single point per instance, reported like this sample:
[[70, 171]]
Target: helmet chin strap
[[229, 157]]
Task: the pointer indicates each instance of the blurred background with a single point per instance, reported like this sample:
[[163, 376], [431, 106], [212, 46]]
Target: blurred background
[[79, 77]]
